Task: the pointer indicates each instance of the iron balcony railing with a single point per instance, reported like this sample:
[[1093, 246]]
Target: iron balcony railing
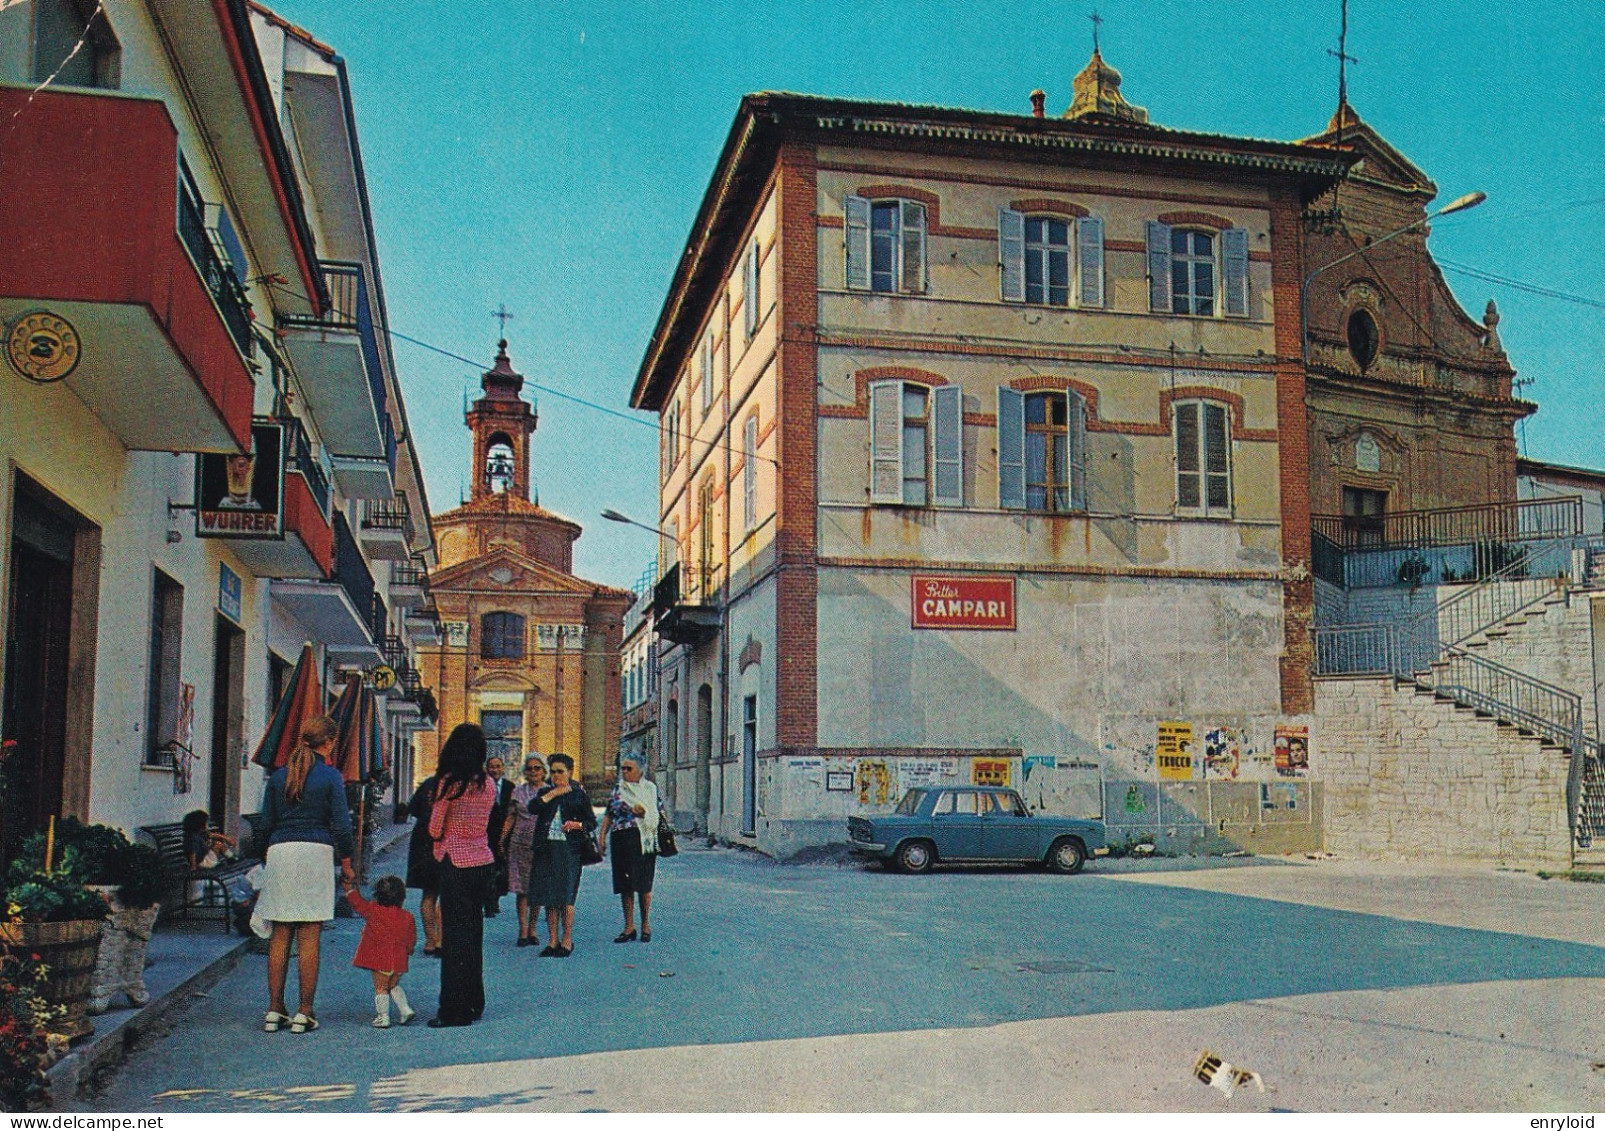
[[388, 514], [349, 309], [351, 572], [410, 576], [395, 653], [378, 618], [1541, 708], [219, 277], [306, 464], [1521, 520]]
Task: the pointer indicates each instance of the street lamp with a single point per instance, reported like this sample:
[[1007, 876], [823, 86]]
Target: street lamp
[[615, 516], [1459, 204]]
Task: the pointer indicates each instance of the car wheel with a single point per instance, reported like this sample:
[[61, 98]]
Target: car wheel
[[915, 856], [1066, 857]]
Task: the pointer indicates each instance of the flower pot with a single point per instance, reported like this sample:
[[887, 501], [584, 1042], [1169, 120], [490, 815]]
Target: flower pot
[[120, 967], [67, 950]]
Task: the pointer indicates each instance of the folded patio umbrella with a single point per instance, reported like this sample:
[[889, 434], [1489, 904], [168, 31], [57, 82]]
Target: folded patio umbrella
[[302, 700]]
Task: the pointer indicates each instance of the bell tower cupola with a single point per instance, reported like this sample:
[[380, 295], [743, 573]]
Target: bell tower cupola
[[502, 422]]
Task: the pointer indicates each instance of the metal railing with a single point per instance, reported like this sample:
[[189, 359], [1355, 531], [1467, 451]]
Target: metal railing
[[1551, 712], [351, 572], [1516, 521], [1326, 559], [408, 576], [218, 276], [306, 464], [1355, 649], [388, 514], [1585, 794], [378, 618], [349, 310]]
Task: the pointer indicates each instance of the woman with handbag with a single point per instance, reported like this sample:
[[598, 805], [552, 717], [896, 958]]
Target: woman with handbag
[[563, 825], [630, 826], [458, 820], [423, 873]]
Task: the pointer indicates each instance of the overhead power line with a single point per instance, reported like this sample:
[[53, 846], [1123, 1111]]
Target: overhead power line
[[1517, 284]]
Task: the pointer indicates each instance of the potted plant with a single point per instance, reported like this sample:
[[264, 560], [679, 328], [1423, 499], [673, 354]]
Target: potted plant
[[54, 918], [130, 878], [25, 1051]]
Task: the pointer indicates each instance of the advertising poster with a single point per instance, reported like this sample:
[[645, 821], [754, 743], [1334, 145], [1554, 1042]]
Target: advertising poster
[[241, 495], [874, 784], [1222, 751], [920, 772], [1292, 751], [1174, 751], [986, 771]]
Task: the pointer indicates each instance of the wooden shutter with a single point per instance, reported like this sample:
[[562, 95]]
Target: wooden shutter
[[1159, 267], [1189, 486], [1217, 460], [1011, 449], [857, 243], [749, 472], [886, 442], [947, 445], [750, 297], [1234, 269], [707, 373], [1076, 433], [1089, 255], [1011, 254], [911, 247]]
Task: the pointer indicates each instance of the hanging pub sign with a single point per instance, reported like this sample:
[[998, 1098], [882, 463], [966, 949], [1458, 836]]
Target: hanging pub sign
[[241, 495], [962, 602]]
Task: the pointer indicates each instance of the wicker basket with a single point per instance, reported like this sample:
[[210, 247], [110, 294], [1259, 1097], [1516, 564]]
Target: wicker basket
[[68, 952]]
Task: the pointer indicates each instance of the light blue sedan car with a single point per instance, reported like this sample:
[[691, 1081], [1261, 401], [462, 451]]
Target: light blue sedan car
[[973, 824]]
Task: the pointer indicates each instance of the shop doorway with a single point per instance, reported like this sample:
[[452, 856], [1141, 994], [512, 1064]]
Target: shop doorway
[[228, 723]]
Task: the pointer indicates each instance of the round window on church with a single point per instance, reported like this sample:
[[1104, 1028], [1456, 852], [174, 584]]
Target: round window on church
[[1364, 339]]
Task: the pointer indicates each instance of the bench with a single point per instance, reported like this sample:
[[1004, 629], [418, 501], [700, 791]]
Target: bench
[[214, 882]]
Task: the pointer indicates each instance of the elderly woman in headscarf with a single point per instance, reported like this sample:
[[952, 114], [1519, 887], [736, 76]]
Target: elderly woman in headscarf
[[630, 829]]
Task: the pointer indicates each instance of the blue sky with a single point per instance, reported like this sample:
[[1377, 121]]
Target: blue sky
[[551, 156]]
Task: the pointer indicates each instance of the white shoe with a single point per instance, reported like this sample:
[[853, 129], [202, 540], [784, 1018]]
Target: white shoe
[[271, 1021], [301, 1023], [382, 1021], [261, 928], [405, 1015]]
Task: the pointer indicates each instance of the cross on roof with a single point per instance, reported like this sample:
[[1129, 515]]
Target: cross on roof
[[1097, 21], [502, 314]]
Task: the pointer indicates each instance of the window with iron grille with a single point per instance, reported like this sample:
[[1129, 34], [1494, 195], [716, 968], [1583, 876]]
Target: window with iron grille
[[501, 636]]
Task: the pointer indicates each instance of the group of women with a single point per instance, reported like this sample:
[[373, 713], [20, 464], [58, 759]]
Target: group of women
[[467, 829]]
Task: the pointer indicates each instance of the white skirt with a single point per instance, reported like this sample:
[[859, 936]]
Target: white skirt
[[299, 885]]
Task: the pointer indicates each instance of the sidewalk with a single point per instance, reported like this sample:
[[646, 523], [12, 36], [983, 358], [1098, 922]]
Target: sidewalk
[[184, 960]]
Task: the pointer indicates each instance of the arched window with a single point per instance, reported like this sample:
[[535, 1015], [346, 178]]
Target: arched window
[[501, 636], [499, 469]]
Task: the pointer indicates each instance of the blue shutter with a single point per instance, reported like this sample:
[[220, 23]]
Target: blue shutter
[[1089, 255], [749, 298], [912, 247], [857, 243], [1076, 426], [947, 445], [1011, 449], [1234, 264], [886, 442], [1011, 254], [1159, 267]]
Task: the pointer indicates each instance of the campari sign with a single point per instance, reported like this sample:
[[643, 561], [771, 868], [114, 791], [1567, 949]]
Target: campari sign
[[963, 602]]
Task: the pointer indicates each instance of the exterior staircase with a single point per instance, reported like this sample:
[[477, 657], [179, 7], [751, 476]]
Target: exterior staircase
[[1441, 654]]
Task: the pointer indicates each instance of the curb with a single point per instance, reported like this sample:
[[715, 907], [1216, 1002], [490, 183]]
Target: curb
[[72, 1073]]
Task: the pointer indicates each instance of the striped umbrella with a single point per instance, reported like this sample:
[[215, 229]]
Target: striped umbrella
[[302, 700], [350, 754]]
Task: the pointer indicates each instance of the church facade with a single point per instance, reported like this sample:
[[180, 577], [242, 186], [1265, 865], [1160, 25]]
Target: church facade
[[529, 651]]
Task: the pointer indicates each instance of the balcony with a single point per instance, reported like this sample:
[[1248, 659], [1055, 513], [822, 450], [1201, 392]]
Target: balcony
[[686, 614], [387, 529], [93, 235], [339, 614], [409, 585], [307, 548], [337, 354], [423, 626]]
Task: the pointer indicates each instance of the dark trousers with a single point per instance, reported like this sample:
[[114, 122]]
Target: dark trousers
[[462, 941]]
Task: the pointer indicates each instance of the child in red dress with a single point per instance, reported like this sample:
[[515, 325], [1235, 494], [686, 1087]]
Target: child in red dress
[[388, 936]]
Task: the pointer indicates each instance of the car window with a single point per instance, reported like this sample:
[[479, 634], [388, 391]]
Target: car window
[[1011, 804], [910, 803], [944, 804], [964, 803]]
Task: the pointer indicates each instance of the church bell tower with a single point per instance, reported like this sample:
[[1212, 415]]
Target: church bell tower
[[502, 422]]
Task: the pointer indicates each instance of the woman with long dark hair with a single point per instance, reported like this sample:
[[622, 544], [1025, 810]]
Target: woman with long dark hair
[[458, 820], [308, 828]]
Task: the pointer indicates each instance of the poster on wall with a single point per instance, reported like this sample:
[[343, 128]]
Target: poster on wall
[[922, 772], [1222, 751], [1174, 751], [1292, 751], [874, 783], [240, 495], [839, 781], [988, 771]]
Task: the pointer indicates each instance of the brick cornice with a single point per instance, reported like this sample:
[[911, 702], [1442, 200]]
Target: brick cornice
[[1195, 220]]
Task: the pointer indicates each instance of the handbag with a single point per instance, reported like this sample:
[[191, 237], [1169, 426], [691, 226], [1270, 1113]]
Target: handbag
[[666, 845], [589, 853]]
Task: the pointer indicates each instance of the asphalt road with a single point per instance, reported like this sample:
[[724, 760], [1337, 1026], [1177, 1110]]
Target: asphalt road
[[769, 986]]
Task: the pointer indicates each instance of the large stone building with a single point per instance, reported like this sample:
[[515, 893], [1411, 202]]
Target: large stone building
[[530, 651], [991, 452], [206, 455]]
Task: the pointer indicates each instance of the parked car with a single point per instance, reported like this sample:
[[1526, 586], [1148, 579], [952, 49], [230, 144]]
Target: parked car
[[973, 824]]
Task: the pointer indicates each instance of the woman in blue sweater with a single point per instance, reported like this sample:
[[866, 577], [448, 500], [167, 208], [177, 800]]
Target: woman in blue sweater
[[308, 829]]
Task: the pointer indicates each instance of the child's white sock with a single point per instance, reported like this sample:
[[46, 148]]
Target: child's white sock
[[403, 1010], [381, 1011]]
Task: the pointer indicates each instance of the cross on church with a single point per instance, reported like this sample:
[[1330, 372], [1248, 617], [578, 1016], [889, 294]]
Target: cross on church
[[502, 314], [1097, 22]]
